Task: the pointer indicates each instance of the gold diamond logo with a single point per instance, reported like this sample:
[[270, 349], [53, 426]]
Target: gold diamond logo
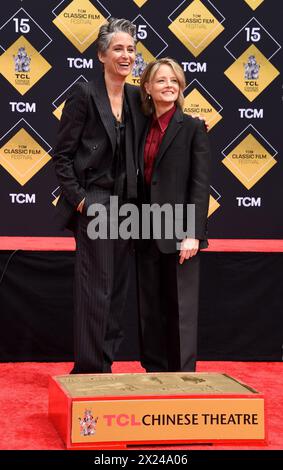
[[249, 161], [140, 3], [23, 157], [254, 3], [251, 73], [143, 57], [58, 111], [80, 22], [195, 103], [213, 205], [196, 27], [22, 65]]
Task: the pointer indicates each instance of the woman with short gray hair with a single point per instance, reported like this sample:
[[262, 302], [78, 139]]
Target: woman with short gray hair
[[94, 159]]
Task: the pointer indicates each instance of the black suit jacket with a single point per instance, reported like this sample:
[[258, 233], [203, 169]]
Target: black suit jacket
[[181, 173], [87, 139]]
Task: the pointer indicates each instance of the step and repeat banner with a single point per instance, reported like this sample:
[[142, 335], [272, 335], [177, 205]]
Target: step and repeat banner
[[231, 54]]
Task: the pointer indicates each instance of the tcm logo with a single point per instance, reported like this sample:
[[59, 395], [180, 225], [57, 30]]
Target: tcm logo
[[251, 113], [249, 201], [21, 107], [194, 66], [78, 63], [22, 198]]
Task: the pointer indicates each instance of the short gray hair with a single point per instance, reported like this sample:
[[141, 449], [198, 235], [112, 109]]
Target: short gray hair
[[114, 25]]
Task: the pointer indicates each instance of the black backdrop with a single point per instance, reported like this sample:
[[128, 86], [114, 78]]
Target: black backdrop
[[240, 308], [27, 198]]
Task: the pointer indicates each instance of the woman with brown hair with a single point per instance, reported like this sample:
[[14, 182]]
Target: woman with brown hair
[[174, 167]]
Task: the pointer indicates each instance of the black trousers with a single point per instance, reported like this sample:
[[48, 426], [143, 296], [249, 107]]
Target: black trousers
[[168, 310], [100, 290]]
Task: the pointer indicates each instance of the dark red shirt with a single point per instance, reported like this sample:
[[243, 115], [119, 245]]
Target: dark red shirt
[[153, 141]]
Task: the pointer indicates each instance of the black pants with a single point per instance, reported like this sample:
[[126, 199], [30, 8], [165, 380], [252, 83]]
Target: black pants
[[100, 288], [168, 310]]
